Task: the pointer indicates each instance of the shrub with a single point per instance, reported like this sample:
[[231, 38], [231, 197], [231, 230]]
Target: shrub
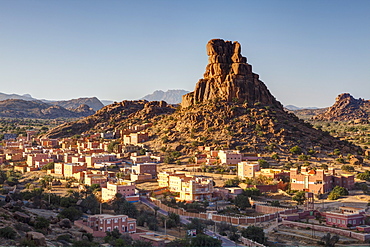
[[263, 163], [348, 168], [296, 150], [7, 232], [41, 223]]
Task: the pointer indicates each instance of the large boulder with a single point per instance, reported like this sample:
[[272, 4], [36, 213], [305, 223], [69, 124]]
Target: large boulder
[[37, 237], [65, 223]]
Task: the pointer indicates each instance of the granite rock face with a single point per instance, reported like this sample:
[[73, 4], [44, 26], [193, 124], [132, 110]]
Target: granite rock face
[[228, 77], [346, 108]]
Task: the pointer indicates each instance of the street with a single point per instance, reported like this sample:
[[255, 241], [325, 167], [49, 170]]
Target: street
[[184, 220]]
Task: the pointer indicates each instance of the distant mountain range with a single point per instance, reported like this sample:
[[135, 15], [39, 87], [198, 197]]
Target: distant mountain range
[[170, 96], [92, 102], [294, 108]]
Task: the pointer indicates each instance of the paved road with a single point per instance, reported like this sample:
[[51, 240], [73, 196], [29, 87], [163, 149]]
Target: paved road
[[185, 220]]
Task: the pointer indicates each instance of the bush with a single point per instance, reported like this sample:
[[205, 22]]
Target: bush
[[296, 150], [71, 213], [65, 237], [340, 160], [41, 223], [7, 232], [348, 168], [303, 157], [263, 163]]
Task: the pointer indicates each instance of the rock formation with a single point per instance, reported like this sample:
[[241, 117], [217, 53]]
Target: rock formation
[[229, 108], [17, 108], [228, 77], [346, 108]]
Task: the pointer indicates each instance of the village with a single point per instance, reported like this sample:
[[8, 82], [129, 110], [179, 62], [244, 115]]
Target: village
[[220, 186]]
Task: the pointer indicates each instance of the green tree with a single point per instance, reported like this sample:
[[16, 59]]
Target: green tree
[[364, 176], [196, 224], [242, 202], [296, 150], [251, 192], [204, 240], [263, 163], [254, 233], [7, 232], [91, 203], [233, 182], [299, 197], [121, 206], [328, 240], [48, 166], [41, 223], [71, 213], [348, 168]]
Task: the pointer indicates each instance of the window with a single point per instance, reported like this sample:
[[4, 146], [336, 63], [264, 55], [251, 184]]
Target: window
[[115, 220], [108, 221], [334, 221], [329, 219], [343, 222], [131, 226], [350, 221], [108, 229], [354, 221]]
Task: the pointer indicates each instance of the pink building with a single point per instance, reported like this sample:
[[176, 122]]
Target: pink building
[[145, 168], [230, 157], [32, 158], [125, 188], [318, 181], [101, 223], [100, 179], [346, 217]]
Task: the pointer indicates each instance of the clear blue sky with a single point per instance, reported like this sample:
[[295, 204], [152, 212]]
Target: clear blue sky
[[306, 52]]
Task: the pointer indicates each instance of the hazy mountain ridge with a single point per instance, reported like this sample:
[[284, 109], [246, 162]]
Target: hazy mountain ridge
[[173, 96], [92, 102]]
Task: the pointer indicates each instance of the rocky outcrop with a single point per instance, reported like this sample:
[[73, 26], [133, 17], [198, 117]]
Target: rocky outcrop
[[346, 108], [112, 117], [92, 102], [229, 78]]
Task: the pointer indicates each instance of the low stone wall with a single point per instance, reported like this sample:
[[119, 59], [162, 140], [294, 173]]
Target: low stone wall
[[233, 220], [248, 242], [340, 232], [270, 209]]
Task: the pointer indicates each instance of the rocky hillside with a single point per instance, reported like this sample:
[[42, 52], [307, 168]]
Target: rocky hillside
[[115, 116], [170, 96], [17, 108], [307, 114], [92, 102], [229, 108], [346, 108]]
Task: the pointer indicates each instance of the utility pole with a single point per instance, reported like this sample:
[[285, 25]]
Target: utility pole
[[165, 227]]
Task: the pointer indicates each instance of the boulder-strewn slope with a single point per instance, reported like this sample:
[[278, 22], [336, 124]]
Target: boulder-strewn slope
[[115, 116], [229, 108], [346, 108], [17, 108]]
